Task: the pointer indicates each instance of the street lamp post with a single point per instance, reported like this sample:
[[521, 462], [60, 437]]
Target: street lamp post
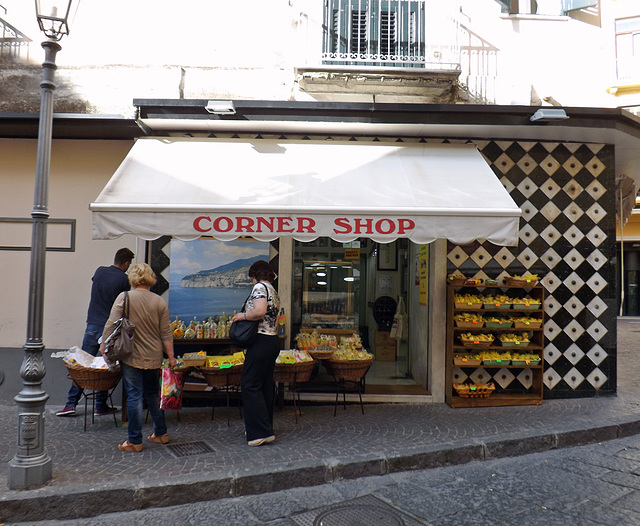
[[31, 465]]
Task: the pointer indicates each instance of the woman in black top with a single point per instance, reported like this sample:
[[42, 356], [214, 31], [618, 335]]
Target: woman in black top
[[258, 387]]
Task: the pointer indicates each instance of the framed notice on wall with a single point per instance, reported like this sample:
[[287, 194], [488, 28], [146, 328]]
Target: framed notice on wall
[[387, 256]]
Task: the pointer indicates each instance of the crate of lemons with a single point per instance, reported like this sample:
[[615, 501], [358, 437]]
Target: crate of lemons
[[474, 390], [469, 339], [494, 301], [526, 280], [469, 320], [498, 358], [350, 349], [512, 339], [468, 301]]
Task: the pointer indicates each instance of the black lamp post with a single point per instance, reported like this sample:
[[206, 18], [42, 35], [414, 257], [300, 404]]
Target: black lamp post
[[31, 465]]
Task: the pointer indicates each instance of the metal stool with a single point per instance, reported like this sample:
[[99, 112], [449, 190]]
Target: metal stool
[[90, 394]]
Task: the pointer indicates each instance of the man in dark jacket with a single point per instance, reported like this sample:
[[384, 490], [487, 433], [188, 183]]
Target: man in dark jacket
[[108, 282]]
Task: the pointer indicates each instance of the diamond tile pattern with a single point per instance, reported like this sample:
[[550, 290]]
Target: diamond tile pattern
[[567, 235]]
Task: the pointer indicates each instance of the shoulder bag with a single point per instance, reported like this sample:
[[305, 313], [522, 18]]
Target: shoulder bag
[[119, 344], [244, 332]]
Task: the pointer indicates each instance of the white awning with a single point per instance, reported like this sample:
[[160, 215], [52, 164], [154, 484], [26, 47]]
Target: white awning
[[188, 188]]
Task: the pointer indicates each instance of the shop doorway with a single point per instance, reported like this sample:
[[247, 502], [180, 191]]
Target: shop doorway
[[358, 287]]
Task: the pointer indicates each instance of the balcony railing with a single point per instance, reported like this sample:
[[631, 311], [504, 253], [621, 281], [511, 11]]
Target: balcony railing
[[478, 66], [389, 33], [12, 42]]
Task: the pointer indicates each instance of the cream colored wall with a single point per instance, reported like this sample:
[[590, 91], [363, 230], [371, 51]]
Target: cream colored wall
[[249, 49], [560, 57], [79, 171]]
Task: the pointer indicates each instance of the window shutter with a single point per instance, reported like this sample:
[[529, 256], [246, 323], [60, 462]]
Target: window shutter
[[572, 5], [358, 32], [388, 37]]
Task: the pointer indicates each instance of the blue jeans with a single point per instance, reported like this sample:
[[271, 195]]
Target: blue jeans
[[89, 344], [142, 384]]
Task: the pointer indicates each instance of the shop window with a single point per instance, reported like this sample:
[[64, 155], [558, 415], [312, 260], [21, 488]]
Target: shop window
[[374, 33], [326, 287], [628, 47]]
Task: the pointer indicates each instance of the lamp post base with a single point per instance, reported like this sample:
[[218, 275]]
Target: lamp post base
[[31, 472]]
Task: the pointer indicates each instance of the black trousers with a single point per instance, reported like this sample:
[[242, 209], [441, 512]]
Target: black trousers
[[258, 387]]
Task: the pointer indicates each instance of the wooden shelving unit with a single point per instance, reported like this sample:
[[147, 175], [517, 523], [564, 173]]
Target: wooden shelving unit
[[500, 397]]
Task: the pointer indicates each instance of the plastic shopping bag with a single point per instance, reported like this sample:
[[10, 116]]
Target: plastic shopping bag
[[171, 384]]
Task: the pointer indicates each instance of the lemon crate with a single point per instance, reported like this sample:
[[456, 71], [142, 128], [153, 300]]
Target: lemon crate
[[474, 391], [469, 324]]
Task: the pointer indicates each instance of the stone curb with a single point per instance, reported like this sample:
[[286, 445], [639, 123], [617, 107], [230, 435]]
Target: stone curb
[[53, 503]]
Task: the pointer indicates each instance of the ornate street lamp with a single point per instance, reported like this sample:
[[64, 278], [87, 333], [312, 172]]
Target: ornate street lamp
[[31, 465]]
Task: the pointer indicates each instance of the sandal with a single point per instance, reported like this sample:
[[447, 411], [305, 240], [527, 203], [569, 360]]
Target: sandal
[[162, 439], [128, 446]]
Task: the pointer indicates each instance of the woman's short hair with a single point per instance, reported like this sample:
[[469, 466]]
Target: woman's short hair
[[141, 274], [262, 271]]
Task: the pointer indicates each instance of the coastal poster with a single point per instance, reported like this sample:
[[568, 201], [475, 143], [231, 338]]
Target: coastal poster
[[208, 277]]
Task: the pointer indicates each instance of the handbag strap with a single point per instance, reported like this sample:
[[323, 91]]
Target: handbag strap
[[125, 305], [244, 305]]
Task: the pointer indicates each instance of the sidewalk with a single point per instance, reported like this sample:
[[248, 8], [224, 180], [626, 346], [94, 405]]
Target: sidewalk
[[91, 477]]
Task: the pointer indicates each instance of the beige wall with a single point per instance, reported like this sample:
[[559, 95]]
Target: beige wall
[[79, 171]]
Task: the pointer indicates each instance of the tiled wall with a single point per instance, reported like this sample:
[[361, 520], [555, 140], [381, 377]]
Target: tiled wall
[[567, 236]]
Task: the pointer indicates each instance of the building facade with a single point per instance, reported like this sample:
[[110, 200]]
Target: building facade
[[420, 69]]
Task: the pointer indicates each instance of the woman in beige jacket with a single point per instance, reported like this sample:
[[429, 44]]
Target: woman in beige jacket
[[141, 371]]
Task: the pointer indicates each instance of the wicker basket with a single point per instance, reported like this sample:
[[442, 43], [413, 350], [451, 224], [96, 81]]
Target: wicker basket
[[293, 372], [94, 379], [222, 377], [349, 370], [473, 391], [321, 355]]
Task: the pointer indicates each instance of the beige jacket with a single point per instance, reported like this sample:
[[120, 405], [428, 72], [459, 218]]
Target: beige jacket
[[150, 314]]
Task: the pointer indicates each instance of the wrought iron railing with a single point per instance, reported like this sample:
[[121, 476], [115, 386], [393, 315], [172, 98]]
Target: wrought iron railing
[[389, 33], [13, 43], [478, 66]]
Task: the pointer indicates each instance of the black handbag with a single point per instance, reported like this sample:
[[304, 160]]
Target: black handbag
[[119, 344], [244, 332]]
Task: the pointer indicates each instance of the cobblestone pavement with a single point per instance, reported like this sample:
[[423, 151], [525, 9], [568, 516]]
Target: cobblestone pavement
[[594, 485], [318, 449]]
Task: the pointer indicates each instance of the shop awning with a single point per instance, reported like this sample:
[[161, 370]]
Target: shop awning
[[188, 188]]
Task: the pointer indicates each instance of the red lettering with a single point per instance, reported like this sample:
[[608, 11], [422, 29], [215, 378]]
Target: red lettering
[[262, 221], [218, 222], [342, 222], [284, 222], [244, 223], [379, 224], [306, 224], [363, 226], [404, 225], [196, 223]]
